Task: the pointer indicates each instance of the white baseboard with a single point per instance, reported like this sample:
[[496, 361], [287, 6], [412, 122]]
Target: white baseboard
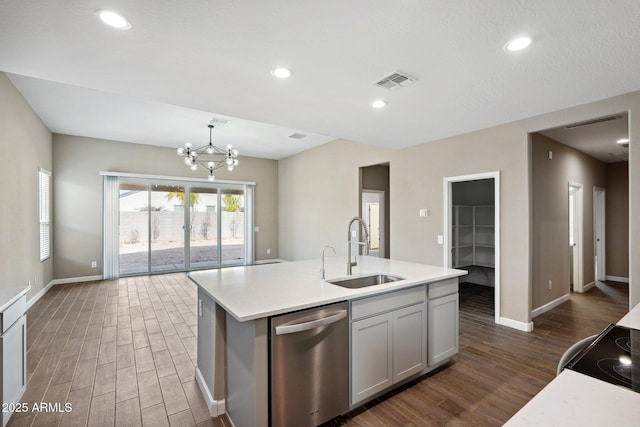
[[548, 306], [515, 324], [54, 282], [216, 407], [76, 279], [588, 286], [617, 279]]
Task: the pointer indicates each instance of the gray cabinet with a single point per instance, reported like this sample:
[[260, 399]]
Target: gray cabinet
[[371, 356], [388, 340], [13, 343], [442, 330], [409, 341]]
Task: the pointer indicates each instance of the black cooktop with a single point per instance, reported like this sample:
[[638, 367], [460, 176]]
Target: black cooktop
[[614, 357]]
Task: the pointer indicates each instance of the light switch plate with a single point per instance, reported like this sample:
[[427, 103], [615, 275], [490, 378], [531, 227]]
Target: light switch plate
[[423, 212], [440, 239]]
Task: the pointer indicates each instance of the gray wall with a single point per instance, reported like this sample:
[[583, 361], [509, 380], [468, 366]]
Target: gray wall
[[319, 191], [617, 232], [551, 215], [78, 195], [25, 146], [316, 204], [628, 102]]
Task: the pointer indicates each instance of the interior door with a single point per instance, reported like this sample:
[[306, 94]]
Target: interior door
[[599, 232]]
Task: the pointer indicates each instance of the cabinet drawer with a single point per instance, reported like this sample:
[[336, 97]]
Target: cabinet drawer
[[13, 313], [381, 303], [442, 288]]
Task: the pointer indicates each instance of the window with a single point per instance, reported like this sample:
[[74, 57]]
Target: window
[[44, 193]]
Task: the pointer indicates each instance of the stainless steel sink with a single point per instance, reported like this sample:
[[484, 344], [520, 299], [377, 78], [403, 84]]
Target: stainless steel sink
[[364, 281]]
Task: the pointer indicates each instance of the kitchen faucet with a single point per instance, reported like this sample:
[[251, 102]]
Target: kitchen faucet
[[323, 249], [353, 263]]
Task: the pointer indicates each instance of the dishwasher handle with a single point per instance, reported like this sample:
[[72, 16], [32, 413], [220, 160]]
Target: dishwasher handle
[[299, 327]]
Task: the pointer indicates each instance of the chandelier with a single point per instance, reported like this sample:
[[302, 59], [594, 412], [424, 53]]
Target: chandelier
[[209, 156]]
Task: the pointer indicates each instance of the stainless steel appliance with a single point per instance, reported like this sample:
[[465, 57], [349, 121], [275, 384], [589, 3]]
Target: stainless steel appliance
[[309, 366]]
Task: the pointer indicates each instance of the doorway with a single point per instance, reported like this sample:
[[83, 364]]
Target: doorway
[[374, 207], [472, 229], [576, 238], [373, 212]]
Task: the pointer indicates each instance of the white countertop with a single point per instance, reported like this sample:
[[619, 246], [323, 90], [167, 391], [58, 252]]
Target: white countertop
[[258, 291], [575, 399], [8, 294]]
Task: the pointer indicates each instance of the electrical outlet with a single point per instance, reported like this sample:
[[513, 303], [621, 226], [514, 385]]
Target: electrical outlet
[[94, 264], [354, 233], [423, 212], [268, 251], [440, 239], [550, 284]]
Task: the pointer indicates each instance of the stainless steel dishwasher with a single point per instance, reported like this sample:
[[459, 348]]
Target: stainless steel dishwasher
[[309, 366]]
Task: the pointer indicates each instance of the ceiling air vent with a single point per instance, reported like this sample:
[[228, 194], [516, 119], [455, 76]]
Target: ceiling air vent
[[297, 135], [592, 122], [395, 81]]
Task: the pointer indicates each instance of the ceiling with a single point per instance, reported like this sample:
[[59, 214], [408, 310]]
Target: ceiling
[[598, 140], [183, 62]]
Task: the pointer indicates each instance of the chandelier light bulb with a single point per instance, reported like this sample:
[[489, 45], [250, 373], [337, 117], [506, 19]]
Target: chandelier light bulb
[[234, 152], [187, 160], [210, 149], [180, 151], [194, 166], [187, 145], [229, 161], [210, 165], [211, 178], [235, 162], [230, 168]]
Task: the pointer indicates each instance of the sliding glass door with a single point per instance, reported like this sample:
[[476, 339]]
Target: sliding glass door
[[166, 211], [203, 243], [169, 226]]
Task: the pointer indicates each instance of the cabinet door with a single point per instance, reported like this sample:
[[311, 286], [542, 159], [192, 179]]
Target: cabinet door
[[409, 341], [14, 379], [371, 367], [442, 328]]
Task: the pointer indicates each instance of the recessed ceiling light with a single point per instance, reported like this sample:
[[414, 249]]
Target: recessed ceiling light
[[378, 103], [281, 73], [518, 44], [113, 19], [623, 141]]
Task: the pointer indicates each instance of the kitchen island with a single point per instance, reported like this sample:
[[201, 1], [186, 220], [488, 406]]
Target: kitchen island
[[235, 305], [576, 399]]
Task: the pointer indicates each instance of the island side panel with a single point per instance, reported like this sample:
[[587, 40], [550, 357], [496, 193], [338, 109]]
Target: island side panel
[[211, 353], [247, 372]]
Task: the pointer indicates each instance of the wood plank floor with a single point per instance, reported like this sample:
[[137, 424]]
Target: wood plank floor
[[123, 353]]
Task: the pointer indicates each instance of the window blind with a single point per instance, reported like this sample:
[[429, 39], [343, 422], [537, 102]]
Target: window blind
[[44, 197]]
